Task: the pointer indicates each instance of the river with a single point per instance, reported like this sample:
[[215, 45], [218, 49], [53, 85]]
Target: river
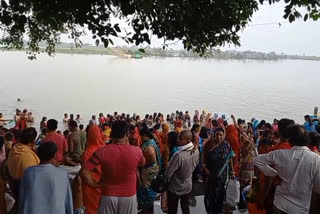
[[90, 84]]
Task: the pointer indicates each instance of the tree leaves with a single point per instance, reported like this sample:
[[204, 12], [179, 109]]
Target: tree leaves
[[201, 25], [291, 18], [291, 12]]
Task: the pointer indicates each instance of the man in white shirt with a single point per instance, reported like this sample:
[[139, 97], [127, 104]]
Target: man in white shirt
[[298, 169]]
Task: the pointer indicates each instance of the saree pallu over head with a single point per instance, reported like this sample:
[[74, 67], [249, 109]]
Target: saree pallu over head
[[91, 196], [232, 137], [136, 136], [20, 158]]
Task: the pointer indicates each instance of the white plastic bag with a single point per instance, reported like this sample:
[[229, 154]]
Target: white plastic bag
[[233, 193]]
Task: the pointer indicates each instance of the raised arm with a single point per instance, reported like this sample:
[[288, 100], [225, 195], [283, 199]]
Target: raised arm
[[234, 121]]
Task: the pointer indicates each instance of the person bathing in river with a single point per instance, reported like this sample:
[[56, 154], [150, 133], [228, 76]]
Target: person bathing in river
[[78, 119], [2, 121], [30, 119], [71, 118], [22, 123], [65, 118]]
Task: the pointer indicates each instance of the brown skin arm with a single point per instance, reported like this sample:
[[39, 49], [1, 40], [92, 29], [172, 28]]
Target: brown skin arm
[[206, 171], [234, 122], [77, 195], [165, 156], [71, 143], [69, 162], [232, 174], [87, 178], [150, 155]]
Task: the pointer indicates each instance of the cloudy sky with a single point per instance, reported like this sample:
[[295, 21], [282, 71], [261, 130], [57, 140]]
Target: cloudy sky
[[291, 38]]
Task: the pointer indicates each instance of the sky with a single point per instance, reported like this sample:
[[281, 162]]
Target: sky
[[298, 37]]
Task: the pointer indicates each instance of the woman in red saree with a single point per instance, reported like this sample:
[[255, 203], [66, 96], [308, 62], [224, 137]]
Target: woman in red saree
[[91, 196], [134, 136], [232, 137]]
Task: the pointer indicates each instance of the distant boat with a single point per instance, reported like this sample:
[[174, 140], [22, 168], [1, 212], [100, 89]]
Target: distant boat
[[136, 56], [123, 54]]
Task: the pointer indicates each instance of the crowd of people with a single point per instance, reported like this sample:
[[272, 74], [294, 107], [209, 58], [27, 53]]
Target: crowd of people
[[115, 160]]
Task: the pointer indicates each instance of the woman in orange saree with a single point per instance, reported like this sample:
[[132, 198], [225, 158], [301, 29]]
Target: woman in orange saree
[[91, 196], [232, 137], [164, 139]]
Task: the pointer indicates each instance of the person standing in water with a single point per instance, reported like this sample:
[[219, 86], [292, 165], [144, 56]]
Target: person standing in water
[[2, 121], [43, 123], [30, 119], [65, 118], [78, 119], [22, 123]]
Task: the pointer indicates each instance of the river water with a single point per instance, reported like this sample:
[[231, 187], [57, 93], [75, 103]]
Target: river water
[[89, 84]]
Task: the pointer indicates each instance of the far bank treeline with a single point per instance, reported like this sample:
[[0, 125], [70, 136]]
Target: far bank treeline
[[69, 48]]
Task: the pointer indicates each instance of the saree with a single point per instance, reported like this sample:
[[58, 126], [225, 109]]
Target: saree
[[246, 161], [91, 196], [233, 139], [159, 141], [21, 157], [136, 135], [257, 190], [215, 159], [164, 139], [146, 196]]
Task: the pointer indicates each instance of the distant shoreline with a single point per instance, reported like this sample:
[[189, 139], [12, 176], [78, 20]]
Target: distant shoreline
[[159, 52]]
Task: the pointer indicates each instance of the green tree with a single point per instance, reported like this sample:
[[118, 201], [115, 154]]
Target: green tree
[[201, 25]]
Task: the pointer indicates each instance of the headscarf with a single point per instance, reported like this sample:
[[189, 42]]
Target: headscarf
[[20, 158], [94, 142], [209, 124], [232, 138], [91, 196], [136, 136], [220, 121], [209, 115], [165, 128]]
